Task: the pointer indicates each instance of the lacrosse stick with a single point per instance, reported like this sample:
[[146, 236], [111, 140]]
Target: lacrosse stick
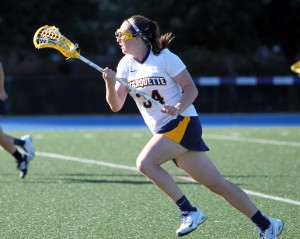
[[296, 67], [50, 37]]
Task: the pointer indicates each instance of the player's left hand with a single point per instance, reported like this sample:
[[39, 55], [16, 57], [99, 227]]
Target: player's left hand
[[170, 110]]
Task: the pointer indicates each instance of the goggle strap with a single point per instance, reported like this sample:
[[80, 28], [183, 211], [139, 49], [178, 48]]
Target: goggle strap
[[133, 25]]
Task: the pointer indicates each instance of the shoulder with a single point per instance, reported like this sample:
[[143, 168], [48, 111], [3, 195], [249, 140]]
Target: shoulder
[[167, 54], [172, 63], [166, 51]]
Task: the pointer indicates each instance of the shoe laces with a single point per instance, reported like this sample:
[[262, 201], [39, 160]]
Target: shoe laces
[[186, 217], [261, 235]]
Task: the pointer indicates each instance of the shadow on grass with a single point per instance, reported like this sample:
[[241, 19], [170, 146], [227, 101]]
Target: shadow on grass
[[107, 181], [73, 178], [128, 178]]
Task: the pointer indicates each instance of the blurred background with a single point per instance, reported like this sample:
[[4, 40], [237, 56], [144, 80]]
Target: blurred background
[[238, 52]]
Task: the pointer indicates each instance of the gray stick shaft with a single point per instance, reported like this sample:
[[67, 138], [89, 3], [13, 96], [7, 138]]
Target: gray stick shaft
[[90, 63]]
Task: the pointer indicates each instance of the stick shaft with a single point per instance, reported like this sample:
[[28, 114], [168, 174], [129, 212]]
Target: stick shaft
[[91, 63]]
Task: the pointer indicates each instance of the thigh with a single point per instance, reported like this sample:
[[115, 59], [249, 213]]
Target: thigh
[[199, 166], [160, 150]]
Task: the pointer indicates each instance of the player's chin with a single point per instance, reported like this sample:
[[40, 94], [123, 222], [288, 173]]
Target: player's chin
[[123, 49]]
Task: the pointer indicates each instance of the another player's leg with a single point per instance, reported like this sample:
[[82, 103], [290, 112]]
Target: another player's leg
[[22, 160]]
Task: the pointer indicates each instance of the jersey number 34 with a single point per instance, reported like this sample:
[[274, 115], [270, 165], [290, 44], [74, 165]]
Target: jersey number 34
[[156, 96]]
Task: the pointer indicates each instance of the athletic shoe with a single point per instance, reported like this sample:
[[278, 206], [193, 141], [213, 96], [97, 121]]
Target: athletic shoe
[[23, 166], [190, 222], [28, 146], [273, 231]]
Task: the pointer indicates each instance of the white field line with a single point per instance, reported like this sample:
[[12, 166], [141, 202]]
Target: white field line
[[84, 160], [252, 140], [253, 193], [112, 165]]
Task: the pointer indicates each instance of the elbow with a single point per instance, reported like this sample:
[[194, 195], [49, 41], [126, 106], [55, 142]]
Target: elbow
[[196, 92], [115, 109]]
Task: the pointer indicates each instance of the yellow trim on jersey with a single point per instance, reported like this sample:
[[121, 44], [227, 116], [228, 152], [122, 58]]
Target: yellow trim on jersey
[[178, 133]]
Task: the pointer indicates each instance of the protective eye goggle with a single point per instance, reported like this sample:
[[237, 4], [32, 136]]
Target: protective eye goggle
[[124, 35]]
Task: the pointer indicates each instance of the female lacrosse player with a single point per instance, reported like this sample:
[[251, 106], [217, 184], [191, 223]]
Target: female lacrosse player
[[177, 134], [9, 143]]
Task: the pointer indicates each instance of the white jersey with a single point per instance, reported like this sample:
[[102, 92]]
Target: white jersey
[[154, 78]]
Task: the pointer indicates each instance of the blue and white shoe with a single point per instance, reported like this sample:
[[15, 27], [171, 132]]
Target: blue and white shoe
[[28, 146], [273, 231], [190, 221], [23, 166]]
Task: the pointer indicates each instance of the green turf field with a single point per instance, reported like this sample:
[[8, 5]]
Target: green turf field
[[83, 184]]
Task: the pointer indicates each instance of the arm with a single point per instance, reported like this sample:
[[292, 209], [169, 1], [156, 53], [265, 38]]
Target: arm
[[3, 95], [190, 92], [115, 92]]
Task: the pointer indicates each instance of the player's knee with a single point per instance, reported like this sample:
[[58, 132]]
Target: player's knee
[[214, 188], [140, 165], [143, 166], [217, 187]]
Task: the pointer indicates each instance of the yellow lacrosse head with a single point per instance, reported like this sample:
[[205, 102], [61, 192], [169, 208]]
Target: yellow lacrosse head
[[296, 67], [50, 37]]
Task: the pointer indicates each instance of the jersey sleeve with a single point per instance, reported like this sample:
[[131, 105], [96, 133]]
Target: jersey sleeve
[[173, 63]]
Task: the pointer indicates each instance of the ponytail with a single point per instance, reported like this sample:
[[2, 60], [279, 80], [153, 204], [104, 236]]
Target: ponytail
[[159, 42], [166, 39]]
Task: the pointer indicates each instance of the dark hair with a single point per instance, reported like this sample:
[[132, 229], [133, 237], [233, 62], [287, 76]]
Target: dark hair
[[150, 33]]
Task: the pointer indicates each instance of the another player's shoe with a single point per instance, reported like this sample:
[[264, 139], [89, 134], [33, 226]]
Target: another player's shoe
[[190, 221], [28, 146], [23, 166], [273, 231]]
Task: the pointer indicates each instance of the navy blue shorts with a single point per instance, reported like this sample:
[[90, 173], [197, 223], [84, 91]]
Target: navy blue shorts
[[186, 131]]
